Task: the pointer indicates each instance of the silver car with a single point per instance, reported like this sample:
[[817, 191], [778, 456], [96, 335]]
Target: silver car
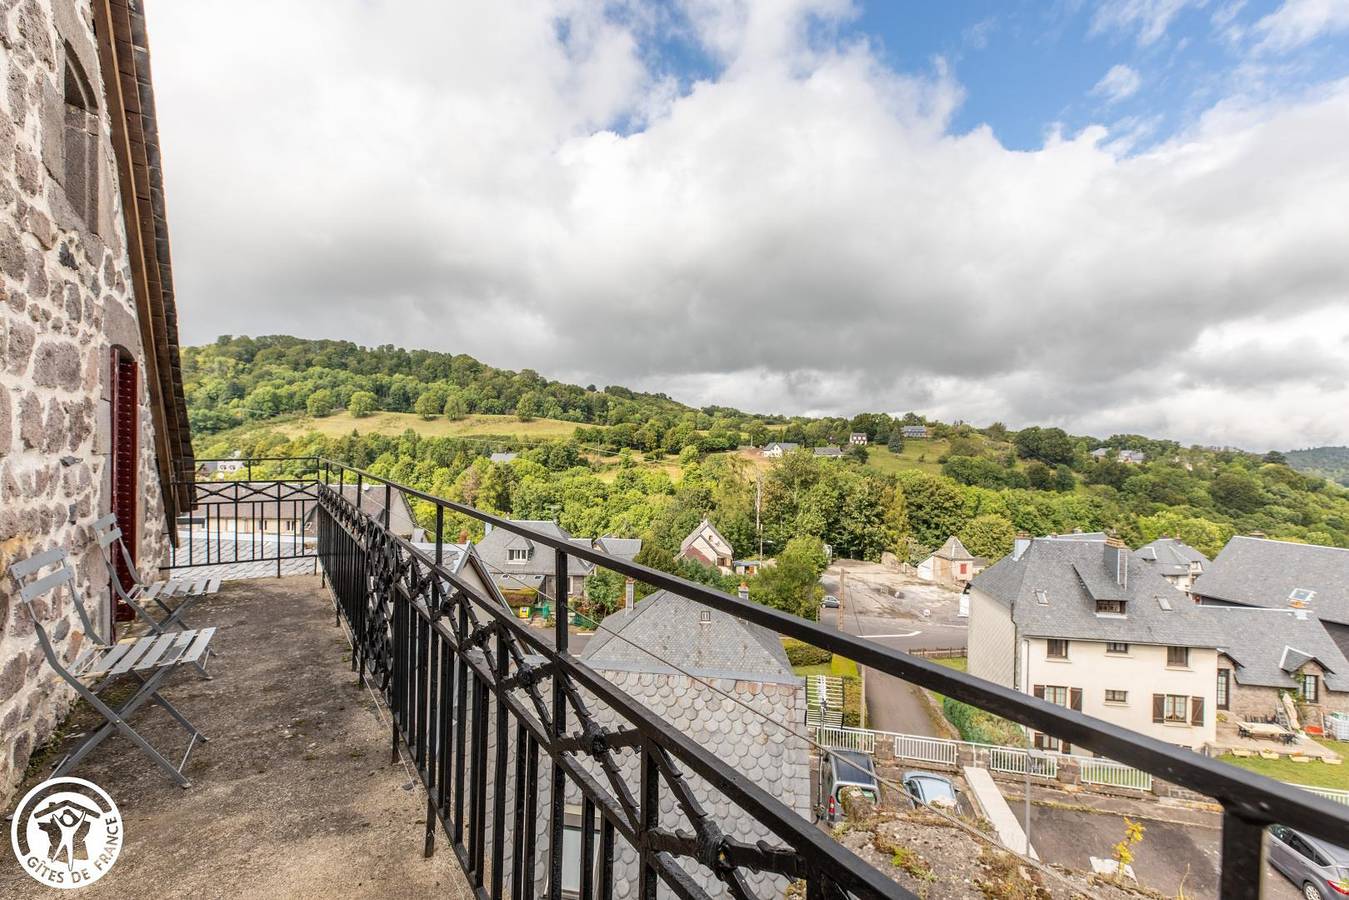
[[1319, 868], [926, 789]]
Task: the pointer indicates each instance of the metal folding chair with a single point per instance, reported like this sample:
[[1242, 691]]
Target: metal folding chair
[[142, 597], [150, 660]]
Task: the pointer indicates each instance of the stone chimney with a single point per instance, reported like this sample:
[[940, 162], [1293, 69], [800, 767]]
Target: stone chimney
[[628, 588], [1020, 544], [744, 591], [463, 535], [1117, 560], [486, 529]]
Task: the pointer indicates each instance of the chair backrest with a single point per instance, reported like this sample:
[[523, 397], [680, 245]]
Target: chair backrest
[[110, 542], [32, 584]]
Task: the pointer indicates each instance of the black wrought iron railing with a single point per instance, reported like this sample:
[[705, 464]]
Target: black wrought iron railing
[[482, 702], [237, 519]]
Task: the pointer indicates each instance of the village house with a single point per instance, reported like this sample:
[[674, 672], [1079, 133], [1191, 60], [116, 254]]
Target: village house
[[779, 449], [1175, 560], [706, 546], [518, 564], [914, 432], [620, 548], [828, 452], [1256, 571], [1088, 625], [951, 564], [859, 438], [247, 508], [92, 418], [1267, 653]]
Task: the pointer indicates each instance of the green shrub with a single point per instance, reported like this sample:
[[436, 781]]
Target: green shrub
[[981, 727], [800, 653]]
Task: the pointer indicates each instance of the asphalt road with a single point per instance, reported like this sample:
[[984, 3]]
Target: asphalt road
[[869, 609]]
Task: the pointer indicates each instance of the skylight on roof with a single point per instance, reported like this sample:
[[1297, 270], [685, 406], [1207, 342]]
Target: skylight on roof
[[1164, 602], [1301, 596], [1042, 598]]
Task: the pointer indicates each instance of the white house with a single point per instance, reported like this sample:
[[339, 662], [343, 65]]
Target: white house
[[779, 449], [1089, 625], [859, 438], [705, 545]]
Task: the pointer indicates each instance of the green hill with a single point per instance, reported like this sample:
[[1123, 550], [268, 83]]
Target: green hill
[[1328, 462]]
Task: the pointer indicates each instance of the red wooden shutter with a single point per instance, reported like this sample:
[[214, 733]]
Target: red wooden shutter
[[1158, 707], [1196, 710], [1075, 698], [125, 454], [1040, 691]]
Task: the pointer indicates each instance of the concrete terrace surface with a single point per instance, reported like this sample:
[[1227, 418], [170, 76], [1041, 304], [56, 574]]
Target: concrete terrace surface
[[294, 795]]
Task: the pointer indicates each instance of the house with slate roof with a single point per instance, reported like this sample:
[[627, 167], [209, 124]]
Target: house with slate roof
[[751, 687], [1254, 571], [1087, 624], [1268, 652], [779, 449], [622, 548], [1177, 561], [951, 564], [706, 546], [519, 564], [913, 432]]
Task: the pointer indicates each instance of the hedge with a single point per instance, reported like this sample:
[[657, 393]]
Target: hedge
[[800, 653]]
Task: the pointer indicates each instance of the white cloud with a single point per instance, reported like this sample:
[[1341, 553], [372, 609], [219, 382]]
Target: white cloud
[[1120, 83], [1147, 19], [801, 233], [1299, 22]]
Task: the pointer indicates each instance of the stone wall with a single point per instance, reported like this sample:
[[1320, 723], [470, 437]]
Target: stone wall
[[65, 300]]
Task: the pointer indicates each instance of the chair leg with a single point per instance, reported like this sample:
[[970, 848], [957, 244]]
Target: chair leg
[[168, 707], [117, 722]]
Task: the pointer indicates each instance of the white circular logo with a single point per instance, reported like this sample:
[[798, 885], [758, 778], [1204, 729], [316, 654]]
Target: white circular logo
[[67, 832]]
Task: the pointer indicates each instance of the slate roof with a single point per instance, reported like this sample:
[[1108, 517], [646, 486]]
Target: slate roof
[[830, 452], [784, 446], [953, 549], [671, 628], [1269, 645], [1261, 572], [494, 549], [913, 430], [502, 457], [704, 525], [1171, 556], [623, 548], [1053, 587], [248, 500]]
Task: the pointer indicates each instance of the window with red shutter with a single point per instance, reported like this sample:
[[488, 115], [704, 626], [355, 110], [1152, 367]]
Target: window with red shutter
[[125, 453]]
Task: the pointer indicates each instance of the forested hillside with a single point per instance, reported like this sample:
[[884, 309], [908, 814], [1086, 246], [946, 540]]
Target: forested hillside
[[1327, 462], [644, 465]]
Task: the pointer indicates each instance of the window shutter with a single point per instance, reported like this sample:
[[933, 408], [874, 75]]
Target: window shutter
[[1039, 741], [1196, 710], [1065, 747], [1040, 691], [1075, 698], [1158, 707]]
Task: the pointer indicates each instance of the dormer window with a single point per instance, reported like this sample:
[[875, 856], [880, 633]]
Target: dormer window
[[1110, 607], [1301, 597], [517, 555]]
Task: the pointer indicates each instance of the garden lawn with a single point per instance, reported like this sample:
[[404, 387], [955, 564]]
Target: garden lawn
[[395, 423], [1312, 774]]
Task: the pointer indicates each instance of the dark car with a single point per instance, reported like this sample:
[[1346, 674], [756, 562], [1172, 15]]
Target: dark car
[[845, 769], [926, 789], [1319, 868]]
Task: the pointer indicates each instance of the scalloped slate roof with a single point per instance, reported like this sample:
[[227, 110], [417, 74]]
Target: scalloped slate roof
[[1073, 575], [671, 627], [1262, 572]]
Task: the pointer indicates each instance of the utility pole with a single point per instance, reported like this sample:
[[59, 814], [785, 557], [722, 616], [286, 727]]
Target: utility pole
[[758, 519]]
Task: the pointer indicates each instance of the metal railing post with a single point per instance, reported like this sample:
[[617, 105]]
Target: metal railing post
[[561, 614], [1243, 857]]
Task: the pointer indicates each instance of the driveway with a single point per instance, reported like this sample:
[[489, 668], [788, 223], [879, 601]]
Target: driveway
[[870, 609]]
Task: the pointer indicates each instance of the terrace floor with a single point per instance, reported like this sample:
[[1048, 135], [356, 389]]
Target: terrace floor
[[294, 796]]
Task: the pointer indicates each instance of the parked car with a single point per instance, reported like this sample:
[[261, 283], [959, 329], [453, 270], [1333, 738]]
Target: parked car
[[845, 769], [830, 602], [926, 789], [1320, 869]]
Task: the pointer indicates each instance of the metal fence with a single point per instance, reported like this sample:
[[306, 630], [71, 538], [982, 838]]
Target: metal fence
[[1112, 774], [1015, 761], [1329, 793], [462, 676]]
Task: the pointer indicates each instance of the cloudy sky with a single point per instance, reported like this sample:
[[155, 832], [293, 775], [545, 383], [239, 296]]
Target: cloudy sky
[[1129, 215]]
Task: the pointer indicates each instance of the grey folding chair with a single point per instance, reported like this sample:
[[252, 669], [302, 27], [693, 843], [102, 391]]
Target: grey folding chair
[[143, 596], [150, 660]]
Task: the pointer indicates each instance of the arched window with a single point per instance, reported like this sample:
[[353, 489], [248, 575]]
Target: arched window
[[80, 141], [124, 394]]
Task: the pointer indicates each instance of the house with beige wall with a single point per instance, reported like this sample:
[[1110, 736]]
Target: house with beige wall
[[1088, 625]]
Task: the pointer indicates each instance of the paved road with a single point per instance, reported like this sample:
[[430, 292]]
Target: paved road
[[870, 609]]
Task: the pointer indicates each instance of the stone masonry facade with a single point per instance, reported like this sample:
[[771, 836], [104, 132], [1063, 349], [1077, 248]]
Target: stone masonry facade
[[66, 299]]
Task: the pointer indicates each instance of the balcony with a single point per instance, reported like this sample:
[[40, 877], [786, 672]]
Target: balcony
[[521, 768]]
